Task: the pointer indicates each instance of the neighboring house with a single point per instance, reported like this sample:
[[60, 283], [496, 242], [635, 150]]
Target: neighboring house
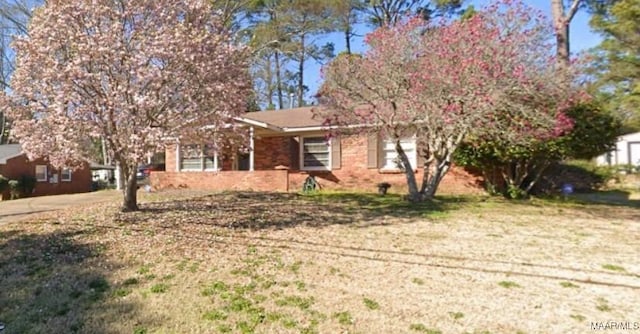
[[626, 152], [287, 146], [49, 181], [100, 172]]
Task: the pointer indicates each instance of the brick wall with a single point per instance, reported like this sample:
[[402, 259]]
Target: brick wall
[[170, 158], [277, 151], [266, 180], [271, 152], [354, 174], [18, 166]]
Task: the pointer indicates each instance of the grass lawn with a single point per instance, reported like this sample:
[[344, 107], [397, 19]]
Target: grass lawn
[[323, 263]]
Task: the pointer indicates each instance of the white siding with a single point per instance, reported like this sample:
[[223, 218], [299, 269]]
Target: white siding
[[627, 151]]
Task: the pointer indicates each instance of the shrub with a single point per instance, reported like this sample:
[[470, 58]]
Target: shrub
[[101, 185], [4, 183], [516, 170], [22, 187], [582, 175], [14, 188], [28, 183]]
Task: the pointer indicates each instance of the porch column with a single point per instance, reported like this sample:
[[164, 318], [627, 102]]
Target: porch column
[[177, 156], [118, 176], [251, 149]]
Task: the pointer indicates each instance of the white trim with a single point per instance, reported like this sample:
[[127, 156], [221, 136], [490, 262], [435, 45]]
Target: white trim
[[309, 128], [301, 149], [414, 155], [258, 123], [252, 147], [62, 178], [216, 164], [178, 157], [45, 173], [324, 127]]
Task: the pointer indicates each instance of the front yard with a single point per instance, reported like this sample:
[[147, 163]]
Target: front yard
[[325, 263]]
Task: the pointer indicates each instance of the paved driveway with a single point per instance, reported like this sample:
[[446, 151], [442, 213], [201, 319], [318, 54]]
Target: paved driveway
[[15, 210]]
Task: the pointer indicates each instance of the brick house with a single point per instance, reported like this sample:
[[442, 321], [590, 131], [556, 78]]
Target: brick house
[[286, 146], [49, 181]]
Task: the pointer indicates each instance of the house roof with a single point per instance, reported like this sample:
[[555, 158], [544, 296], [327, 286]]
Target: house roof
[[9, 151], [630, 137], [97, 166], [285, 120]]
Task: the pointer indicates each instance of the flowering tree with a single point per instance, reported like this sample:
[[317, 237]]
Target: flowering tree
[[492, 74], [134, 73], [514, 169]]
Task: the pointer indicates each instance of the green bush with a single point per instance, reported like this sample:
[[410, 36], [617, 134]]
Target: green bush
[[602, 173], [507, 166], [101, 185], [28, 183], [4, 183], [23, 187], [582, 175], [14, 189]]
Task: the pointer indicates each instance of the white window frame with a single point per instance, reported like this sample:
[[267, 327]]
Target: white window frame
[[312, 168], [45, 173], [217, 164], [412, 153], [62, 175]]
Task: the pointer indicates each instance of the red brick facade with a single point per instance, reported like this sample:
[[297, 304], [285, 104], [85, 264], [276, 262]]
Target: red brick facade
[[262, 180], [352, 173], [273, 151], [20, 165]]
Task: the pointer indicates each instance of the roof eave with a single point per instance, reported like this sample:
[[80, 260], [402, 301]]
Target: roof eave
[[259, 124], [4, 160]]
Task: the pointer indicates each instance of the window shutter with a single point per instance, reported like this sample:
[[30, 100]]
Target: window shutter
[[294, 156], [336, 154], [372, 151]]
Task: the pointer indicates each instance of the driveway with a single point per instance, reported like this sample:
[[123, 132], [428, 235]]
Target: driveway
[[15, 210]]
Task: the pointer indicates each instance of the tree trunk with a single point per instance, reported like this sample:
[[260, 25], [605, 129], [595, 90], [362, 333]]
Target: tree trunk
[[434, 172], [414, 194], [347, 38], [130, 190], [269, 84], [105, 158], [279, 80], [537, 172], [2, 124], [301, 73], [562, 41], [561, 21]]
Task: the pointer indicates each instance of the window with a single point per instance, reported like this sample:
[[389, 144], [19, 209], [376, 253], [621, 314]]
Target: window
[[41, 173], [389, 156], [65, 175], [198, 158], [316, 153]]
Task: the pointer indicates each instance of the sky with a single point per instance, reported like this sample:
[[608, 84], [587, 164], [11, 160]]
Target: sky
[[581, 38]]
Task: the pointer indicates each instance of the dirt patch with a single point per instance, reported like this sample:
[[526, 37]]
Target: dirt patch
[[285, 263]]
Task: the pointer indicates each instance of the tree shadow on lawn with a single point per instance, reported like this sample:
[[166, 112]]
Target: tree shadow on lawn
[[601, 204], [52, 283], [201, 222], [608, 197], [262, 210]]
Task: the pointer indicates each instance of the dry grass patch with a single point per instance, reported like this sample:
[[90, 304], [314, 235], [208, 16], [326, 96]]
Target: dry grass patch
[[324, 263]]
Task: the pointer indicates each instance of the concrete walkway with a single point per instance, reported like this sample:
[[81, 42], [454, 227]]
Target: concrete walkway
[[16, 210]]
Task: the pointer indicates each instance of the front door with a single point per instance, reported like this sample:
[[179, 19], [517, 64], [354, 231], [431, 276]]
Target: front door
[[243, 161]]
